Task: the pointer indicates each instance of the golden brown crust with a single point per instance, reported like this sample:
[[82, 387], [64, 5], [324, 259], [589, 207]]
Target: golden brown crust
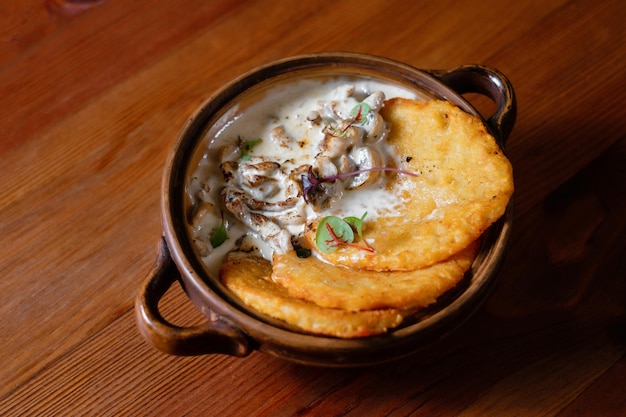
[[351, 289], [248, 277], [464, 185], [422, 250]]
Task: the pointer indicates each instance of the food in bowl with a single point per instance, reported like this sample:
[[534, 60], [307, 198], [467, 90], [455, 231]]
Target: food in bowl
[[341, 206]]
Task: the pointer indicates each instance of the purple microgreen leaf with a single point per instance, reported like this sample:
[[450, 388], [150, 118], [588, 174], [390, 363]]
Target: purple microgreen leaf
[[310, 182], [361, 171]]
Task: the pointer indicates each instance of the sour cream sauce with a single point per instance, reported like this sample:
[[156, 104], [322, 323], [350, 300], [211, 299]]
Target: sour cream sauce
[[290, 120]]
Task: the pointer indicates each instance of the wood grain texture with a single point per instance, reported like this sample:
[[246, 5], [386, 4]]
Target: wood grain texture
[[92, 102]]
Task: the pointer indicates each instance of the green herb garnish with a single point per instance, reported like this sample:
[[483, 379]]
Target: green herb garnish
[[357, 224], [333, 231], [247, 146], [359, 113], [219, 235]]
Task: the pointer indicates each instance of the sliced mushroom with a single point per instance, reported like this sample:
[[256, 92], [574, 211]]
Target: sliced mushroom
[[290, 217], [204, 220], [345, 164], [229, 171], [229, 152], [261, 180], [314, 117], [375, 100], [260, 168], [201, 215], [378, 129], [261, 187], [324, 166], [280, 137], [230, 194], [333, 145], [260, 224]]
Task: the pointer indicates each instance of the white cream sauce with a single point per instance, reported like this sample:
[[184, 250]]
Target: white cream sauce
[[290, 120]]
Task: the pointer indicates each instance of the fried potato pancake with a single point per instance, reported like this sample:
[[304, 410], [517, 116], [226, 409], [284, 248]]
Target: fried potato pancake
[[351, 289], [464, 184], [248, 277]]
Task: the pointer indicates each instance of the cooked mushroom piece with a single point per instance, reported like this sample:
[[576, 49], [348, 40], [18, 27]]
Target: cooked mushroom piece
[[252, 203], [262, 225], [378, 129], [203, 221], [260, 179], [365, 157], [280, 137], [323, 166], [375, 100], [346, 164], [339, 140], [229, 171]]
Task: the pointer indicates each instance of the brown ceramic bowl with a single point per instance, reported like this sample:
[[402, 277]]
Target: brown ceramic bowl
[[233, 329]]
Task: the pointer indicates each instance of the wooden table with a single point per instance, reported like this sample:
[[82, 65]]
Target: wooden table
[[92, 95]]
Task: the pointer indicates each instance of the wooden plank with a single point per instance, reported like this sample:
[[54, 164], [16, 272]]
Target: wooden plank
[[580, 223], [563, 68], [89, 151], [52, 65], [80, 184], [604, 398]]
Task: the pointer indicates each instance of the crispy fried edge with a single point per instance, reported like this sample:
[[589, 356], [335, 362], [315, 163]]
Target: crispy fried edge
[[247, 276]]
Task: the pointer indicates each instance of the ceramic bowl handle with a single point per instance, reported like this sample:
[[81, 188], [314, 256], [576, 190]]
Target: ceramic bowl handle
[[214, 336], [491, 83]]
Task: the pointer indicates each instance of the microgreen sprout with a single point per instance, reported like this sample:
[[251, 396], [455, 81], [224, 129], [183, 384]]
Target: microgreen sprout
[[246, 147], [359, 114], [310, 182], [357, 226], [219, 234], [333, 231]]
